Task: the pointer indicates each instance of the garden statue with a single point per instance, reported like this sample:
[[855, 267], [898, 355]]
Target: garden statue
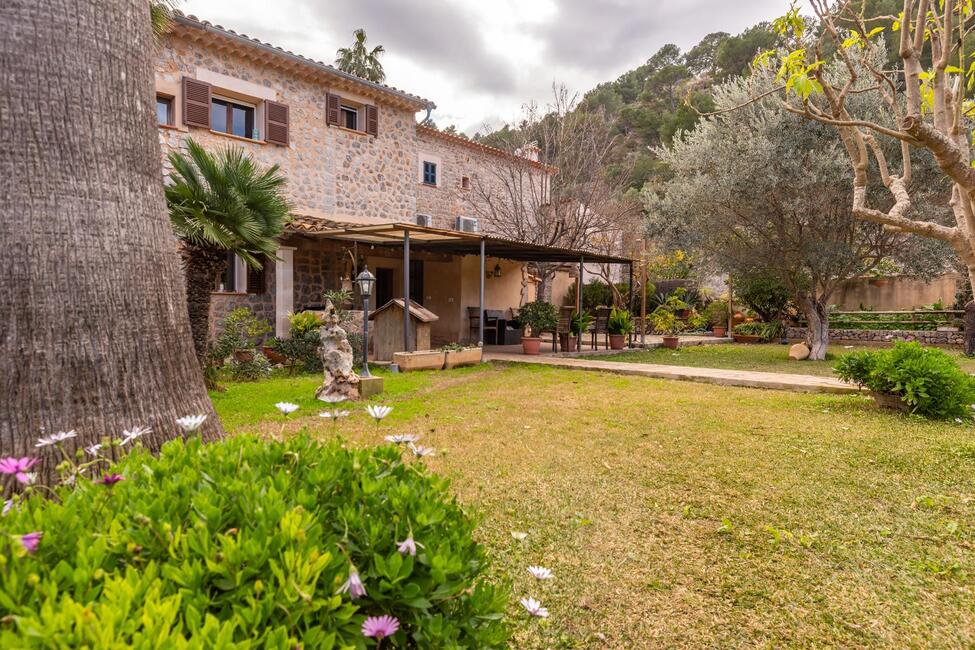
[[340, 379]]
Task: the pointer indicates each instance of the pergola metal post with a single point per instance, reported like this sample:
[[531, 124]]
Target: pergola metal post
[[643, 296], [406, 290], [582, 267], [631, 299], [480, 313]]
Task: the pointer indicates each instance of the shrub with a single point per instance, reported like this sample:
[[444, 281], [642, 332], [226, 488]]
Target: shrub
[[764, 293], [749, 329], [257, 368], [927, 380], [240, 330], [665, 321], [246, 543], [304, 322], [539, 316], [716, 313]]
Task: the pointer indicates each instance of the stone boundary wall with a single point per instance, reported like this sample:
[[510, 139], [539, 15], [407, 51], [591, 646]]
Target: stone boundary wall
[[886, 336]]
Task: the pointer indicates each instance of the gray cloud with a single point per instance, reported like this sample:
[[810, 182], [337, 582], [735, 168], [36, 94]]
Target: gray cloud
[[435, 33]]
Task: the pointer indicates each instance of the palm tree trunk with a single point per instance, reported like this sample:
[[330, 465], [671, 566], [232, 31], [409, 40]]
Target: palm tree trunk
[[92, 309], [201, 266]]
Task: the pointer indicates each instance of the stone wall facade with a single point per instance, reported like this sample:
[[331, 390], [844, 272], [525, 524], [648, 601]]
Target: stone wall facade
[[329, 168], [467, 172], [886, 336]]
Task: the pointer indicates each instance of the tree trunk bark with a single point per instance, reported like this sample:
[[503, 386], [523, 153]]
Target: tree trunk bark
[[544, 289], [201, 266], [817, 332], [93, 315]]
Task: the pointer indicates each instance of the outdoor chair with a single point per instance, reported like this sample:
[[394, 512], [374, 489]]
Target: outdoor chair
[[474, 317]]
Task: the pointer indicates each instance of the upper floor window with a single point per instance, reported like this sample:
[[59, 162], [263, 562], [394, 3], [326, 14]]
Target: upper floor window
[[231, 117], [164, 110], [429, 173], [350, 117], [465, 182]]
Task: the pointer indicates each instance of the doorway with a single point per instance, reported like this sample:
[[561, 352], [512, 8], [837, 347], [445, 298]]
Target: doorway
[[384, 286]]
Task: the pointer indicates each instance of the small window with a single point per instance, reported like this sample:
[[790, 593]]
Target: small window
[[228, 279], [429, 173], [229, 117], [350, 117], [164, 110], [465, 182]]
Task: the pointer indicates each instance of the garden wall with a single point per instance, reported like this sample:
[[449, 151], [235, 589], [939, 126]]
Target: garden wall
[[886, 336], [895, 293]]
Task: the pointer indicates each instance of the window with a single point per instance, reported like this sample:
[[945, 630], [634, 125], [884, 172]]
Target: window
[[228, 279], [229, 117], [350, 117], [429, 173], [465, 183], [164, 109]]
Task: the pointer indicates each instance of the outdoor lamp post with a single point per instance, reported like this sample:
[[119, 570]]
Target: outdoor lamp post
[[366, 282]]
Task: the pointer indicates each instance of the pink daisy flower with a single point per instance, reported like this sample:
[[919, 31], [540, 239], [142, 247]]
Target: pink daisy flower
[[31, 540], [380, 627]]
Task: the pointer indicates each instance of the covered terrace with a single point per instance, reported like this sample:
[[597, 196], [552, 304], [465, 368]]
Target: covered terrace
[[412, 237]]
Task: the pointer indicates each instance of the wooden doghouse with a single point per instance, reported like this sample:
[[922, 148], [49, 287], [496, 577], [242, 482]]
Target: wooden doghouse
[[387, 331]]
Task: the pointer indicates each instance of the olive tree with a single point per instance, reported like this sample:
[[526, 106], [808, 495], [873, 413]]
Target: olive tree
[[927, 100], [761, 190]]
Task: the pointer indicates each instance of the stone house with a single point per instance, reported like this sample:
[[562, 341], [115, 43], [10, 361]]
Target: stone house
[[355, 158]]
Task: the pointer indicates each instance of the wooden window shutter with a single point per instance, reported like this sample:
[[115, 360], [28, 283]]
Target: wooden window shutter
[[372, 120], [196, 103], [332, 110], [255, 277], [276, 123]]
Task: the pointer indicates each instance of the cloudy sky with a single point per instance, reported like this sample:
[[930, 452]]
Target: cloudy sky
[[481, 61]]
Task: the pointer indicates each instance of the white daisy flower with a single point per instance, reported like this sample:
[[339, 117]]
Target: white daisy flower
[[520, 536], [333, 415], [7, 506], [541, 572], [402, 438], [133, 434], [55, 438], [333, 399], [534, 607], [94, 449], [378, 411], [191, 423], [420, 451], [287, 408]]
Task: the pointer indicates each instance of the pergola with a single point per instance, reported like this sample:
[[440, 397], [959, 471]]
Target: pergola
[[454, 242]]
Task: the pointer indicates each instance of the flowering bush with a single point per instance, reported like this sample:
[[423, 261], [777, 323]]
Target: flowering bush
[[247, 543]]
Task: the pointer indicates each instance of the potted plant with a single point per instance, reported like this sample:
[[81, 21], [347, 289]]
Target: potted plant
[[270, 350], [420, 360], [717, 314], [578, 323], [748, 332], [536, 317], [240, 335], [619, 325], [456, 355], [677, 304], [666, 323]]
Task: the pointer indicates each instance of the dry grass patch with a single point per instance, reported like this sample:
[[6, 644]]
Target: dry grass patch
[[679, 515]]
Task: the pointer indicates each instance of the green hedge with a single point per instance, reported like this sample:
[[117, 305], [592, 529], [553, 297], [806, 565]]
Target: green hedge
[[246, 543]]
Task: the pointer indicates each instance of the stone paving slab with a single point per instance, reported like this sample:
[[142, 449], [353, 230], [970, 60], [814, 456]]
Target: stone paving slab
[[720, 376]]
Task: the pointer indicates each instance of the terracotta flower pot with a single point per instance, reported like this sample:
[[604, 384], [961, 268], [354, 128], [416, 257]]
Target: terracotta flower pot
[[747, 338], [671, 342], [273, 355], [568, 342], [617, 341], [719, 331], [531, 345], [244, 355]]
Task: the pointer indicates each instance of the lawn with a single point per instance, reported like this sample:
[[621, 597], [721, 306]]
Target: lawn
[[678, 515], [772, 357]]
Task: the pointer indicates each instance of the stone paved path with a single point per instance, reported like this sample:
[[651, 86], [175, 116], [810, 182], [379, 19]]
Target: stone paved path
[[723, 377]]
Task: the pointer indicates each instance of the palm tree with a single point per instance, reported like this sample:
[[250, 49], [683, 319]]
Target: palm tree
[[359, 61], [220, 203], [160, 16], [95, 335]]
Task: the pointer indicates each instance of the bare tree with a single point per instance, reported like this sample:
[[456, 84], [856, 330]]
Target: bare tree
[[830, 62], [579, 207], [96, 334]]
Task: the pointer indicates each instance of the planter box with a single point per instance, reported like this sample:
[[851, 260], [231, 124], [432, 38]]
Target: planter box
[[465, 357], [244, 355], [425, 360], [273, 355], [671, 342], [747, 338], [720, 332]]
